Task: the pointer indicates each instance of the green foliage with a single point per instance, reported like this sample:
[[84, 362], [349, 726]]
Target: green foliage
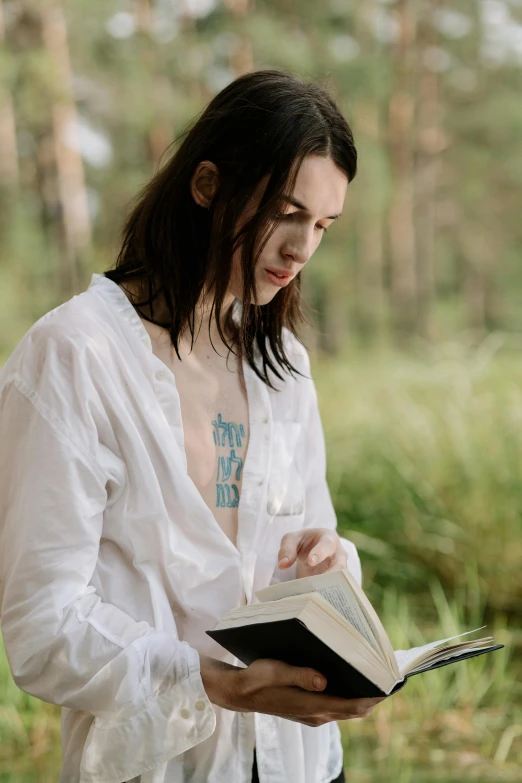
[[425, 466], [456, 723], [29, 734]]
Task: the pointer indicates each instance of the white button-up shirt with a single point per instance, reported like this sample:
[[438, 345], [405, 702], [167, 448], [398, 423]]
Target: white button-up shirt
[[112, 566]]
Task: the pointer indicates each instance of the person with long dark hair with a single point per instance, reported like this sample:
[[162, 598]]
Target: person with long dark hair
[[162, 458]]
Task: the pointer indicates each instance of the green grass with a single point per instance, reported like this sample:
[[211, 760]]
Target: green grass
[[460, 722], [425, 468], [29, 734]]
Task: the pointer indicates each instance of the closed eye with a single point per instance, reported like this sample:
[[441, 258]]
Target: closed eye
[[289, 215]]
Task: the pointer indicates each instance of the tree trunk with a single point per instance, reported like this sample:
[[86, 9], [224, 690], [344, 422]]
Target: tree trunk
[[479, 292], [480, 238], [400, 213], [429, 145], [369, 286], [9, 172], [160, 135], [370, 292], [241, 58], [71, 185]]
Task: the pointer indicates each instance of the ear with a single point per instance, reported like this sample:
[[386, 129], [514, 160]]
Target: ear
[[204, 183]]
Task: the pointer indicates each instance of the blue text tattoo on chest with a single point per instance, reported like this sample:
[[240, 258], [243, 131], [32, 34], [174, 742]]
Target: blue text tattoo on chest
[[229, 436]]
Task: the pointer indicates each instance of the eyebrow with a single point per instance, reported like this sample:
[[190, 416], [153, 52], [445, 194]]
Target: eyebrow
[[295, 203]]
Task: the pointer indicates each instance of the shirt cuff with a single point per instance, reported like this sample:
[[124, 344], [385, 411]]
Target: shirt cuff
[[171, 723]]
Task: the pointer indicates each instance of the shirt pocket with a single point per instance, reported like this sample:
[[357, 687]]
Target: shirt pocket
[[286, 491]]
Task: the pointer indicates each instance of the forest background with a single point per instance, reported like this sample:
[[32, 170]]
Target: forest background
[[414, 297]]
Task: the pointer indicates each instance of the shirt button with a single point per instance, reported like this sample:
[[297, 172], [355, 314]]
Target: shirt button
[[184, 713], [161, 375], [200, 705]]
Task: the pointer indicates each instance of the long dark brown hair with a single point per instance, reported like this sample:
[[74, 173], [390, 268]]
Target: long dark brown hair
[[262, 124]]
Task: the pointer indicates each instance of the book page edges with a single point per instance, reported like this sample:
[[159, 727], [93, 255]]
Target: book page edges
[[405, 658], [454, 659]]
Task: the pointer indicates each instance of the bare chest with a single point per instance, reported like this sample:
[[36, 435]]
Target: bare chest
[[214, 412]]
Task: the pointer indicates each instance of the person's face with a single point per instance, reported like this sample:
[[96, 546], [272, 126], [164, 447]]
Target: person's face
[[317, 200]]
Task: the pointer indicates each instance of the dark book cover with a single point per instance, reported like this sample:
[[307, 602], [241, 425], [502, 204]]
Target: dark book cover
[[291, 641]]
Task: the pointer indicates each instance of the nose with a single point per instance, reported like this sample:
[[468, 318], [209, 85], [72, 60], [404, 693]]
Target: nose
[[298, 247]]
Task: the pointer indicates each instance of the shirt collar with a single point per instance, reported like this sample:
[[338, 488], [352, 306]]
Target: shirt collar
[[112, 292], [119, 300]]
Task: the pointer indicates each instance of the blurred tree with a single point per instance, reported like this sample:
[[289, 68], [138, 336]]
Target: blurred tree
[[94, 94], [73, 218], [371, 302], [400, 139], [9, 170], [429, 145]]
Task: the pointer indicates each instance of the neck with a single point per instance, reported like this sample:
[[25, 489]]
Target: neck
[[206, 332]]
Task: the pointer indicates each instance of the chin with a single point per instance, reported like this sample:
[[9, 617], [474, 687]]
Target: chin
[[263, 297], [266, 296]]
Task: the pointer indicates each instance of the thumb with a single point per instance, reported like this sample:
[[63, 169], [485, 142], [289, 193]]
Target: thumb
[[298, 676]]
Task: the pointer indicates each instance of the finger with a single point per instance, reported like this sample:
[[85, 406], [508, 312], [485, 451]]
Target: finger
[[316, 708], [339, 561], [321, 568], [359, 713], [312, 711], [304, 677], [360, 708], [346, 708], [289, 548], [326, 547], [306, 721]]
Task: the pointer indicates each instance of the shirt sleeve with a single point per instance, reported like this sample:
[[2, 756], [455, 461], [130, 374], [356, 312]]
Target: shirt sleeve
[[319, 510], [64, 644]]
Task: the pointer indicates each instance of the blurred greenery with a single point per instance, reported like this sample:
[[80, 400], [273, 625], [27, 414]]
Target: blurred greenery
[[425, 465], [415, 297]]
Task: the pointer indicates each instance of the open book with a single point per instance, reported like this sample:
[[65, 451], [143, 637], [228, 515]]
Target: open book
[[327, 622]]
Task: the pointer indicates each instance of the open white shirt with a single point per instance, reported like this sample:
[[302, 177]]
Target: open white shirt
[[112, 566]]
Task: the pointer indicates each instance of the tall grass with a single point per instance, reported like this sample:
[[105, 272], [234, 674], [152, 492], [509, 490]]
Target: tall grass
[[29, 734], [425, 467], [456, 723]]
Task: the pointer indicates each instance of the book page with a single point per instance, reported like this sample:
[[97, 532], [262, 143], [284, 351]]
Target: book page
[[439, 652], [406, 659], [332, 586], [373, 620], [452, 652], [338, 598]]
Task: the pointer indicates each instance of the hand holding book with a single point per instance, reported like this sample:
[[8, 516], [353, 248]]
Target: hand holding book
[[326, 622], [276, 688]]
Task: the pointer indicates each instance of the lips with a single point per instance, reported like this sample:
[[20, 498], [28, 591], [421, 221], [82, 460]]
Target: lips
[[278, 277]]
